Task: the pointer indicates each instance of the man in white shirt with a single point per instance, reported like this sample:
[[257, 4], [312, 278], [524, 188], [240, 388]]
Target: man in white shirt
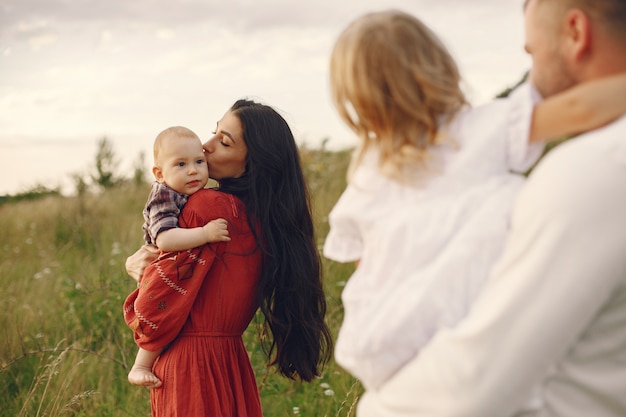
[[553, 316]]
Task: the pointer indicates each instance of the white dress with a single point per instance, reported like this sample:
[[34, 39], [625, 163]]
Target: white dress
[[425, 251], [553, 313]]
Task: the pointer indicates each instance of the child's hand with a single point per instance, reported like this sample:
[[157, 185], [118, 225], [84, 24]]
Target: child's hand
[[216, 231]]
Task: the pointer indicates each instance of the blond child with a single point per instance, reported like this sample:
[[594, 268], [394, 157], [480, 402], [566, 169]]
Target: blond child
[[430, 185], [180, 169]]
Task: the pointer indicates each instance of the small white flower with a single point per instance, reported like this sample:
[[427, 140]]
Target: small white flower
[[329, 392], [324, 385], [115, 249], [42, 273], [296, 410]]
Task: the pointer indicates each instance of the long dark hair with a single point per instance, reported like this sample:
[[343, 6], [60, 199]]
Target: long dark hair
[[291, 295]]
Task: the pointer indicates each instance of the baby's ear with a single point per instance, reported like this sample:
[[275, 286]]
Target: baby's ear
[[158, 174]]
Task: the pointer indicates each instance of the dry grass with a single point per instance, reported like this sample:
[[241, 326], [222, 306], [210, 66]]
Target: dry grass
[[65, 350]]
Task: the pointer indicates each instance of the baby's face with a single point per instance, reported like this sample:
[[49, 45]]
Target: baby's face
[[182, 165]]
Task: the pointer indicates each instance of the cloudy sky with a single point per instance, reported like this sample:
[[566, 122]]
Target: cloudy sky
[[74, 71]]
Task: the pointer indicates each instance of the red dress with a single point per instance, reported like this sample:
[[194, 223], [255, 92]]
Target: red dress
[[197, 304]]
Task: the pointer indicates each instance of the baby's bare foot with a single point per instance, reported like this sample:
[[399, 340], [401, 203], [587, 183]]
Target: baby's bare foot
[[143, 377]]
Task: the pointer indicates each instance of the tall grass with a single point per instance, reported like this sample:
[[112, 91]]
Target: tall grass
[[64, 348]]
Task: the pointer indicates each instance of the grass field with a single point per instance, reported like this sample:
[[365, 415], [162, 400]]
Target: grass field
[[64, 348]]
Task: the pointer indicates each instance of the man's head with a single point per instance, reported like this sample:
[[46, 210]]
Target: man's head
[[572, 41]]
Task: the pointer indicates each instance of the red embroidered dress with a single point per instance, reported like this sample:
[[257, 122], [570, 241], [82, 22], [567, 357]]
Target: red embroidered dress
[[197, 303]]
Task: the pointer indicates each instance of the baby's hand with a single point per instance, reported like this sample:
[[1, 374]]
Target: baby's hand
[[216, 231]]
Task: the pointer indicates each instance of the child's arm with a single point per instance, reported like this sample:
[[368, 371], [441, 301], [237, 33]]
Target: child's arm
[[181, 239], [584, 107]]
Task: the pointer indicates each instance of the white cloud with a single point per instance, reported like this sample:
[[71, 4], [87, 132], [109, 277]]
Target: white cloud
[[165, 33], [129, 68], [32, 26], [106, 37], [38, 42]]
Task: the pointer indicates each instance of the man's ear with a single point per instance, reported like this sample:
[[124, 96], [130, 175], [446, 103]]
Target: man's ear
[[578, 34], [158, 174]]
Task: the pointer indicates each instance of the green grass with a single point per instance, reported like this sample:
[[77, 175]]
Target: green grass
[[65, 349]]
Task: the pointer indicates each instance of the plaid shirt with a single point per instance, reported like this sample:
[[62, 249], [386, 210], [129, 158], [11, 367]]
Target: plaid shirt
[[161, 211]]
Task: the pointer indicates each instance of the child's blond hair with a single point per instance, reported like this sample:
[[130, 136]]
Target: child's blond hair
[[394, 83], [170, 133]]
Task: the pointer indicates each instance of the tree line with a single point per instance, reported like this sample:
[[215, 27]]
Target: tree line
[[104, 174]]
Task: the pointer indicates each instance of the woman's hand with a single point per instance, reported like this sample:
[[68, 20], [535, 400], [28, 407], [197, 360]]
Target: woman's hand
[[138, 261]]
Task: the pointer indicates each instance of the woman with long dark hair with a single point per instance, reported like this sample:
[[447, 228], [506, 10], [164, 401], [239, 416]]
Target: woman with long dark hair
[[197, 303]]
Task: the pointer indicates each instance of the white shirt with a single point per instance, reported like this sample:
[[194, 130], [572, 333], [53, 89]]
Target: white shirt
[[554, 311], [425, 251]]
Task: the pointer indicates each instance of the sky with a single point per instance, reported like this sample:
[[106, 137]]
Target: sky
[[75, 71]]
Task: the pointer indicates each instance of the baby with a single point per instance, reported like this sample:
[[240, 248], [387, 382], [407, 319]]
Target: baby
[[180, 169]]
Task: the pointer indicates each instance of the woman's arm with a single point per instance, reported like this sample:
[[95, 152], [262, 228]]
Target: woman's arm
[[584, 107]]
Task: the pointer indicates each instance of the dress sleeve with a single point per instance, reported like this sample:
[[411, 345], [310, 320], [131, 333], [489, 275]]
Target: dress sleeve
[[350, 217], [522, 155], [344, 241], [158, 309]]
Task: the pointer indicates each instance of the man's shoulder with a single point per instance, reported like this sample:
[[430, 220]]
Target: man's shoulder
[[590, 151], [585, 175]]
